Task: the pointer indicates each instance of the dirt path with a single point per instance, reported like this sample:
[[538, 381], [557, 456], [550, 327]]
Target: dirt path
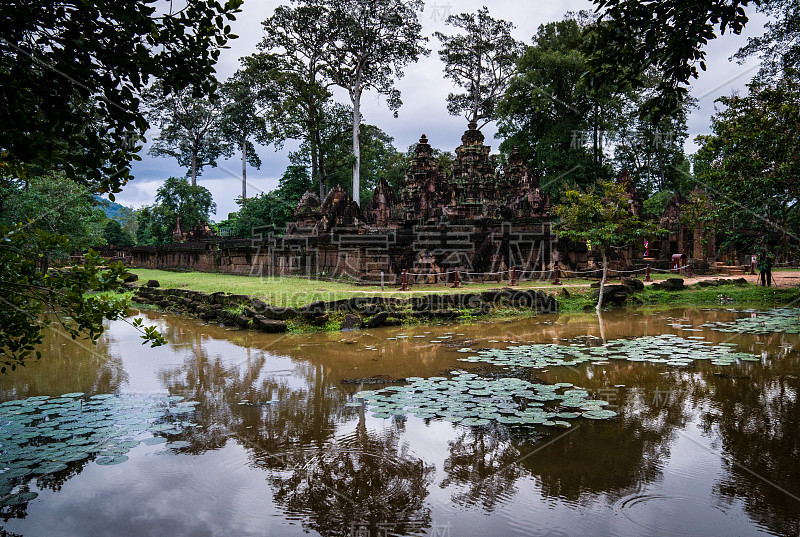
[[783, 279]]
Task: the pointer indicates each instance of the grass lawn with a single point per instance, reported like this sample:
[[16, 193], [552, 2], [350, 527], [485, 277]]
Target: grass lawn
[[294, 292], [290, 291], [745, 296]]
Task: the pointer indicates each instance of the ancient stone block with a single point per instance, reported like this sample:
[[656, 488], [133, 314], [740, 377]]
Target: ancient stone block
[[270, 326], [351, 322], [377, 320]]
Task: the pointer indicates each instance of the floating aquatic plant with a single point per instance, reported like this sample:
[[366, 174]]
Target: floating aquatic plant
[[41, 435], [665, 349], [785, 320], [472, 400]]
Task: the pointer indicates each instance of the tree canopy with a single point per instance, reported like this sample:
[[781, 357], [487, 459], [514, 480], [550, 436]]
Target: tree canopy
[[750, 165], [190, 128], [602, 217], [481, 61], [370, 43], [73, 71]]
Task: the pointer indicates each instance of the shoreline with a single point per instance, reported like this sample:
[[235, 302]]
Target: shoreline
[[373, 309]]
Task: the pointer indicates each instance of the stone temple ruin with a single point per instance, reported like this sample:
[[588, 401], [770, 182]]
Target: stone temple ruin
[[475, 220], [480, 220]]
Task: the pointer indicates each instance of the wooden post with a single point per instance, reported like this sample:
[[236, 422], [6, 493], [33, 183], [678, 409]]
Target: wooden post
[[404, 281], [689, 270], [513, 281], [647, 277], [556, 281], [456, 281]]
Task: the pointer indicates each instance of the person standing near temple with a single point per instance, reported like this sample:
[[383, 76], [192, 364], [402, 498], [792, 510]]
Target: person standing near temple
[[765, 268]]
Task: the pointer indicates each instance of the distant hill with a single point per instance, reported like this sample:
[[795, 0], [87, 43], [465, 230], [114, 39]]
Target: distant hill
[[115, 211], [122, 214]]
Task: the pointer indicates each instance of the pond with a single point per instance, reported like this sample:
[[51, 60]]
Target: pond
[[676, 422]]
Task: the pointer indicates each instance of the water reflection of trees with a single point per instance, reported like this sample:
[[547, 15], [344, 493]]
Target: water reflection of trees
[[366, 481], [288, 425], [756, 419], [66, 366], [593, 460], [482, 462]]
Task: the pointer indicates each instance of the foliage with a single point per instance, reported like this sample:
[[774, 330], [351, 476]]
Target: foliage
[[176, 197], [72, 71], [114, 233], [779, 47], [603, 218], [655, 204], [189, 128], [56, 206], [481, 61], [271, 211], [335, 157], [122, 214], [369, 44], [27, 293], [750, 165], [633, 38], [651, 149], [547, 111], [290, 69], [333, 147], [699, 213], [241, 118]]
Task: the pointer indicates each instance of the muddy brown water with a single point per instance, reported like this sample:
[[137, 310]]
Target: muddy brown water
[[705, 450]]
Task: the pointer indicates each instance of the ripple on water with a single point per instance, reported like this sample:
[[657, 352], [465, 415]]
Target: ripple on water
[[674, 515]]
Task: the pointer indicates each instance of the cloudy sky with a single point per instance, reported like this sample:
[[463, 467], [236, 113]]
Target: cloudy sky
[[424, 91]]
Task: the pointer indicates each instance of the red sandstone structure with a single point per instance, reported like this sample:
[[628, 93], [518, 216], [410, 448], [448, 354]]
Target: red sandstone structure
[[479, 221]]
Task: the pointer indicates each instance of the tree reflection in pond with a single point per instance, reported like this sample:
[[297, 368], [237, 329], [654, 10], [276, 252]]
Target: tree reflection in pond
[[366, 481], [337, 484], [756, 420], [482, 460]]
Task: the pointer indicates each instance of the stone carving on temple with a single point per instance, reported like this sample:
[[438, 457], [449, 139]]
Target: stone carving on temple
[[634, 198], [339, 210], [380, 211], [423, 193], [308, 211], [526, 199]]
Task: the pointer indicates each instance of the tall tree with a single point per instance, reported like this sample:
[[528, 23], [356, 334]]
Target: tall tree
[[604, 218], [548, 111], [370, 43], [292, 57], [750, 164], [481, 61], [779, 47], [241, 117], [332, 145], [190, 128], [72, 72], [634, 37]]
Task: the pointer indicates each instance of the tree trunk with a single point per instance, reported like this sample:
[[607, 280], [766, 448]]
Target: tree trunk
[[194, 169], [602, 281], [244, 170], [602, 327], [316, 174], [355, 95]]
